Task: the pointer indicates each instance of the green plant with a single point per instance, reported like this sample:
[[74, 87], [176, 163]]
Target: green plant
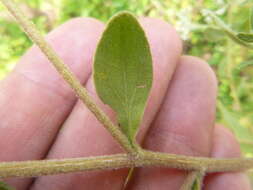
[[231, 104], [135, 156]]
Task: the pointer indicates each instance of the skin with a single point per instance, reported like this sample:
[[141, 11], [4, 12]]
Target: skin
[[43, 119]]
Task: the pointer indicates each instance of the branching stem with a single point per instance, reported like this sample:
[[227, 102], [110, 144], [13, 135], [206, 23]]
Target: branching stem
[[189, 180], [134, 158], [68, 76], [193, 177], [142, 159]]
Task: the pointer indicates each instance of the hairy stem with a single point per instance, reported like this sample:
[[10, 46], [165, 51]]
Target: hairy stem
[[189, 180], [142, 159], [135, 158], [193, 177], [50, 167], [195, 163], [69, 77]]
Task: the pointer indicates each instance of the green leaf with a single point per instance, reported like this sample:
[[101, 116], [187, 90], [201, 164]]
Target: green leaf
[[198, 182], [4, 186], [123, 71], [246, 37], [196, 185]]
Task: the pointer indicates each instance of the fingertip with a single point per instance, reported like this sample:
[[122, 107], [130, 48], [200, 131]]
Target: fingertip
[[78, 22], [75, 28], [225, 146], [166, 33], [202, 67]]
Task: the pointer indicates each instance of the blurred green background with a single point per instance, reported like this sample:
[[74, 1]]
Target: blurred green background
[[232, 63]]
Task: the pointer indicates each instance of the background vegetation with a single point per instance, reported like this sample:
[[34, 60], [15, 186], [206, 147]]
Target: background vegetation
[[232, 63]]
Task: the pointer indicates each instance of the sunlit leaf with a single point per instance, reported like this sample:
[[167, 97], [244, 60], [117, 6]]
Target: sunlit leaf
[[4, 186], [123, 70], [246, 37]]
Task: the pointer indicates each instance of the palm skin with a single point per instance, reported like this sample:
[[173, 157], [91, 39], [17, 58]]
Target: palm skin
[[43, 119]]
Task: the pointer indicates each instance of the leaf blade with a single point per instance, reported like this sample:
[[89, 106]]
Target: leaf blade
[[123, 71]]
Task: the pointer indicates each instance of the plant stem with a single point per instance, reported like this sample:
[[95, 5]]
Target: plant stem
[[189, 180], [195, 163], [69, 77], [135, 158], [50, 167], [230, 61], [142, 159], [228, 31]]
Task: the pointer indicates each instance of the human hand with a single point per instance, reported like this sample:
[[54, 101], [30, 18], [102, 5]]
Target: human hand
[[42, 118]]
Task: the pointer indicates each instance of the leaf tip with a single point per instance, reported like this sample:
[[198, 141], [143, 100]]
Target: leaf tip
[[123, 14]]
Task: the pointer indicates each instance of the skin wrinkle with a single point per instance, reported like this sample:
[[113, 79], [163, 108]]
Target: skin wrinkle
[[48, 119], [22, 118], [31, 68], [33, 104], [82, 113], [45, 118], [25, 119], [52, 92], [179, 142], [187, 142], [79, 115], [62, 94]]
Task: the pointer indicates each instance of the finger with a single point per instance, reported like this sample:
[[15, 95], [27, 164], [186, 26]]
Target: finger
[[82, 134], [183, 125], [224, 146], [36, 100]]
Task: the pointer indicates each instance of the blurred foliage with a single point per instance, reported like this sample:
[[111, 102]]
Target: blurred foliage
[[4, 186], [232, 63]]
